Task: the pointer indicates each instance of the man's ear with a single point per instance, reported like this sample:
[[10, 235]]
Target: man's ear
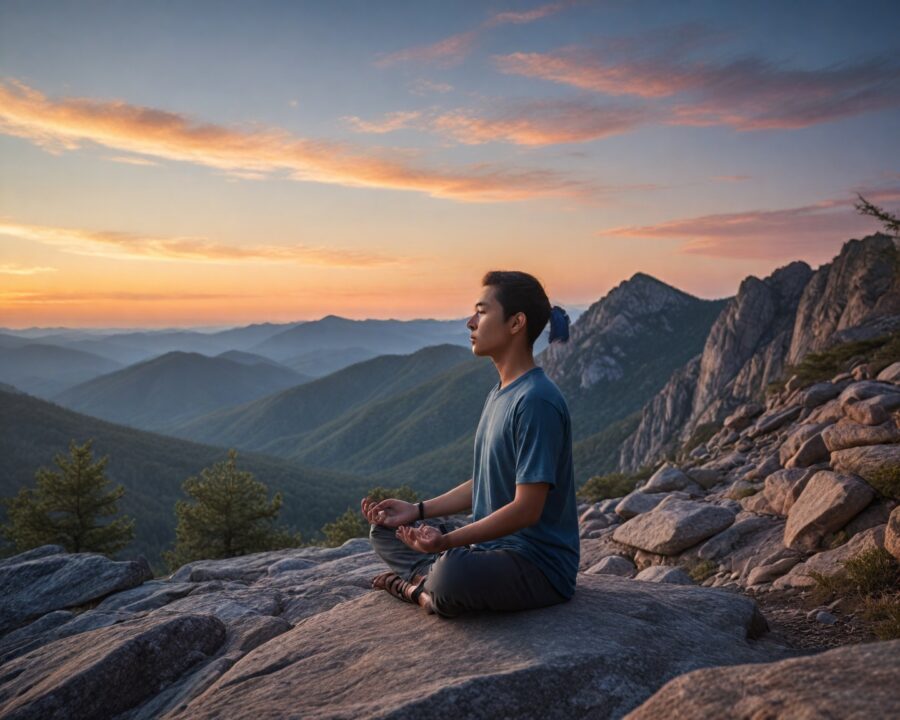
[[519, 321]]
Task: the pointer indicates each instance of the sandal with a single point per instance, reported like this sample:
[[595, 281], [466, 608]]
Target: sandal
[[398, 587]]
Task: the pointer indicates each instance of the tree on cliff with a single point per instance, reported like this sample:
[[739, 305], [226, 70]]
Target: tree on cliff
[[229, 515], [352, 524], [65, 507], [890, 221]]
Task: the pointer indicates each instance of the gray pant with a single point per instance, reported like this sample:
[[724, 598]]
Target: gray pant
[[465, 578]]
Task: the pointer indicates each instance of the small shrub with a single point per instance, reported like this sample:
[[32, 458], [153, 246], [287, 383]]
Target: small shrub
[[873, 571], [702, 433], [885, 480], [884, 613], [741, 493], [834, 540], [611, 485], [702, 570], [817, 367]]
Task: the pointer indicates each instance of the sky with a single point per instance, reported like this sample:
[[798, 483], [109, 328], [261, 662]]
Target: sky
[[175, 164]]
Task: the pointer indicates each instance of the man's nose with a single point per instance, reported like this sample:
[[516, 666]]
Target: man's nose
[[471, 323]]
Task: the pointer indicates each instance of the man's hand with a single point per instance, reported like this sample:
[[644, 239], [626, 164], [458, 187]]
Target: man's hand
[[390, 512], [425, 539]]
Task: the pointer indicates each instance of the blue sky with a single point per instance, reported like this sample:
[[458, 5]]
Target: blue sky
[[195, 163]]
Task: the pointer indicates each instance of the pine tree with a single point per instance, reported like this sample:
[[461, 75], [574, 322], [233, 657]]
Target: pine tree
[[65, 507], [229, 516], [890, 221]]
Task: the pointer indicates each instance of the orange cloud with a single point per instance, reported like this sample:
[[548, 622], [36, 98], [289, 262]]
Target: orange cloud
[[66, 298], [453, 49], [12, 269], [541, 124], [60, 125], [532, 124], [128, 246], [747, 94], [131, 160], [764, 234]]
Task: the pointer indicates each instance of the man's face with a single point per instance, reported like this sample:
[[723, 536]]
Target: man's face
[[487, 329]]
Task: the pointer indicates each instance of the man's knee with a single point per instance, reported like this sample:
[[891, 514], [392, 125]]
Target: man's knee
[[446, 583]]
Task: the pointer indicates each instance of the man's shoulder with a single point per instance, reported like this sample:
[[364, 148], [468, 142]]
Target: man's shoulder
[[541, 389]]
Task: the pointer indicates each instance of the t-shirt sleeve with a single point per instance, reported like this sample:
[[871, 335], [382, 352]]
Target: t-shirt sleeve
[[539, 435]]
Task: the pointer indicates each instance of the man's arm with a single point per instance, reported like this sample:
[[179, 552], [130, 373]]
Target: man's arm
[[525, 510], [457, 500]]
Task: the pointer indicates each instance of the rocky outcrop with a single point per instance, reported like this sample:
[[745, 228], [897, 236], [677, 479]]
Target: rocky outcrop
[[670, 408], [300, 633], [47, 579], [623, 349], [859, 681], [528, 665], [856, 296]]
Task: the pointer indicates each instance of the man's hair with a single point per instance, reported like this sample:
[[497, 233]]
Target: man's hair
[[519, 292]]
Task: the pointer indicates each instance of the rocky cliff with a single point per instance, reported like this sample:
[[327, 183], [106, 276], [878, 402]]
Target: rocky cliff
[[624, 347], [768, 325]]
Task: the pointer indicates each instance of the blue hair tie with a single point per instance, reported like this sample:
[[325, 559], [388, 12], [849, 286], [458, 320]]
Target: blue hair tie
[[559, 324]]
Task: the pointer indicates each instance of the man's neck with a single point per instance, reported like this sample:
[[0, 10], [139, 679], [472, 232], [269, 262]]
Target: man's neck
[[512, 364]]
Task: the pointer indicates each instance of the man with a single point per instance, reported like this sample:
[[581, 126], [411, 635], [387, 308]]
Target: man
[[521, 551]]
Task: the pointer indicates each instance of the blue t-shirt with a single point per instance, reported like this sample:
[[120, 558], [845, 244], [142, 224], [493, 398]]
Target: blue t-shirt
[[525, 436]]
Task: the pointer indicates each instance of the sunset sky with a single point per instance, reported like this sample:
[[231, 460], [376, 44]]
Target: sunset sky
[[219, 163]]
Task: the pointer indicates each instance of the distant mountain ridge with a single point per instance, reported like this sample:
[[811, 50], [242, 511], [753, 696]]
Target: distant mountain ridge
[[175, 387], [45, 370]]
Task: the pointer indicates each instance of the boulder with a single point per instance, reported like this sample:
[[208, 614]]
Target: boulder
[[613, 565], [47, 582], [743, 416], [828, 413], [890, 374], [768, 571], [892, 532], [783, 487], [830, 562], [793, 442], [771, 421], [816, 395], [875, 410], [765, 468], [856, 681], [664, 574], [848, 434], [811, 452], [639, 502], [674, 525], [105, 672], [878, 465], [828, 502], [706, 477], [531, 664], [669, 478]]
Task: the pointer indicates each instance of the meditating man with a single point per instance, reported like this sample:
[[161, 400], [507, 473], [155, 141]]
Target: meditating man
[[521, 550]]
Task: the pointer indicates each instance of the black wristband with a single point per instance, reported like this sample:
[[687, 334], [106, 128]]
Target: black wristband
[[421, 509]]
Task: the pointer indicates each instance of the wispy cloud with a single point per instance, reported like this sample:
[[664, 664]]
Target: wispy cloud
[[129, 246], [428, 87], [747, 93], [389, 123], [65, 298], [12, 269], [765, 234], [454, 49], [66, 124], [131, 160], [732, 178], [531, 124]]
